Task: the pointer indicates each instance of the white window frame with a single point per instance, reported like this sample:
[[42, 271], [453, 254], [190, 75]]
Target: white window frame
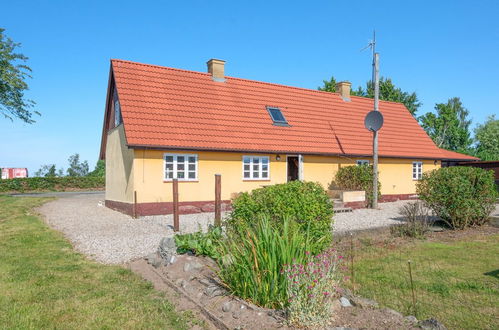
[[175, 167], [361, 162], [260, 170], [418, 174]]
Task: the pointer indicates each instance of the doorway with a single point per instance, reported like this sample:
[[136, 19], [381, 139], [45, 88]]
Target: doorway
[[293, 168]]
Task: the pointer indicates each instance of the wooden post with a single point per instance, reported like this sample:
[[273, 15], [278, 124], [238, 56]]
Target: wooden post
[[135, 204], [218, 200], [176, 224]]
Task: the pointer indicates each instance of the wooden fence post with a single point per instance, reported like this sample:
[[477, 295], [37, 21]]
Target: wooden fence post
[[218, 200], [176, 224], [135, 204]]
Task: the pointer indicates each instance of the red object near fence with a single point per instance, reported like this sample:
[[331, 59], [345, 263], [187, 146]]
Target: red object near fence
[[12, 173]]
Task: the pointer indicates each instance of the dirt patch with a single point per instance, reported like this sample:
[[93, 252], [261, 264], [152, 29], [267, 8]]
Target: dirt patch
[[191, 284]]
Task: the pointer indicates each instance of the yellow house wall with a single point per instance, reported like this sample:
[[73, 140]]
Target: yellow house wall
[[119, 167], [395, 174], [151, 187]]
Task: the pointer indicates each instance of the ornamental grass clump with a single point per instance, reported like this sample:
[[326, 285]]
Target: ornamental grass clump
[[253, 258], [312, 287]]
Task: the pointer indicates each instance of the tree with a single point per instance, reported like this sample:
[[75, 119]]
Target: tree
[[387, 92], [100, 169], [487, 139], [13, 75], [46, 171], [449, 127], [77, 168], [329, 85]]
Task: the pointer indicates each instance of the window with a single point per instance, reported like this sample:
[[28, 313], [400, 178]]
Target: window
[[361, 162], [117, 110], [417, 170], [277, 116], [181, 166], [256, 168]]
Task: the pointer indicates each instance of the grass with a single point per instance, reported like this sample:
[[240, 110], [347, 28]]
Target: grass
[[455, 282], [45, 284]]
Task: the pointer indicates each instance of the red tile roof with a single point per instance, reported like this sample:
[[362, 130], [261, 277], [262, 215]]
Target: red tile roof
[[178, 109], [451, 155]]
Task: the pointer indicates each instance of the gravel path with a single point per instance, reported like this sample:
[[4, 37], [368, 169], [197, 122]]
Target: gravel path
[[111, 237], [387, 215]]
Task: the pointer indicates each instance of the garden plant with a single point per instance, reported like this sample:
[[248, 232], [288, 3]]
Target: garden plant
[[461, 196]]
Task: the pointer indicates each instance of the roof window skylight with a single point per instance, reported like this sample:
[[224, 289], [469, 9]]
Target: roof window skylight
[[277, 116]]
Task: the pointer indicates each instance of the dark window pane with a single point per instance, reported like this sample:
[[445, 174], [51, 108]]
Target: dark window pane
[[192, 175], [277, 115]]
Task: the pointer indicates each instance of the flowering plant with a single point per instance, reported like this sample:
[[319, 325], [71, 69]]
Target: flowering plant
[[312, 286]]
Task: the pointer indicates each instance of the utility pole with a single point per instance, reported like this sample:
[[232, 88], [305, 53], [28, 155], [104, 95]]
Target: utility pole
[[375, 81], [375, 133]]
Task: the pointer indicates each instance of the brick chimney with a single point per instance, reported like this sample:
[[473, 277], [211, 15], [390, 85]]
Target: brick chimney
[[343, 87], [216, 68]]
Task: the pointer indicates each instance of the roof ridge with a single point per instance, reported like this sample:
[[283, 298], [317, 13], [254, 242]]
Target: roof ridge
[[249, 80]]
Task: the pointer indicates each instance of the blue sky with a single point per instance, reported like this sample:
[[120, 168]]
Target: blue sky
[[440, 49]]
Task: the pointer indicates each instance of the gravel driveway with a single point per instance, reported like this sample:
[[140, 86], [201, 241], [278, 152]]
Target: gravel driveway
[[111, 237], [388, 214], [114, 238]]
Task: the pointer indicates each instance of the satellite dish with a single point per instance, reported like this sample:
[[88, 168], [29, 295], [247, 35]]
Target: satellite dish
[[374, 121]]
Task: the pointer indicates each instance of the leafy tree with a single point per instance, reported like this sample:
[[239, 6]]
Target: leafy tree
[[100, 169], [13, 75], [387, 92], [76, 167], [487, 139], [449, 126], [329, 85], [47, 171]]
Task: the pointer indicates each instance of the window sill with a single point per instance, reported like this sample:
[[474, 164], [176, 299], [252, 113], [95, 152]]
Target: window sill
[[169, 181], [256, 180]]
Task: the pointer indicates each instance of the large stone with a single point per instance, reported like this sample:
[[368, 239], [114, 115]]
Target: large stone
[[192, 266], [411, 319], [227, 307], [214, 291], [431, 324], [363, 302], [167, 249], [345, 302]]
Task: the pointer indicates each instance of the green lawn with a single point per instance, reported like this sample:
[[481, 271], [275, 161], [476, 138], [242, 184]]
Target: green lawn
[[456, 282], [45, 284]]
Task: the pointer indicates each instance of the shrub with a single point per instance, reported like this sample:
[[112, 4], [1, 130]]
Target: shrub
[[305, 203], [418, 220], [200, 243], [460, 196], [51, 183], [254, 256], [311, 289], [357, 178]]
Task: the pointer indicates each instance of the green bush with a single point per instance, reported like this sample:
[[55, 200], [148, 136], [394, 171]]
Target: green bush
[[254, 259], [305, 203], [460, 196], [357, 178], [51, 183], [206, 244]]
